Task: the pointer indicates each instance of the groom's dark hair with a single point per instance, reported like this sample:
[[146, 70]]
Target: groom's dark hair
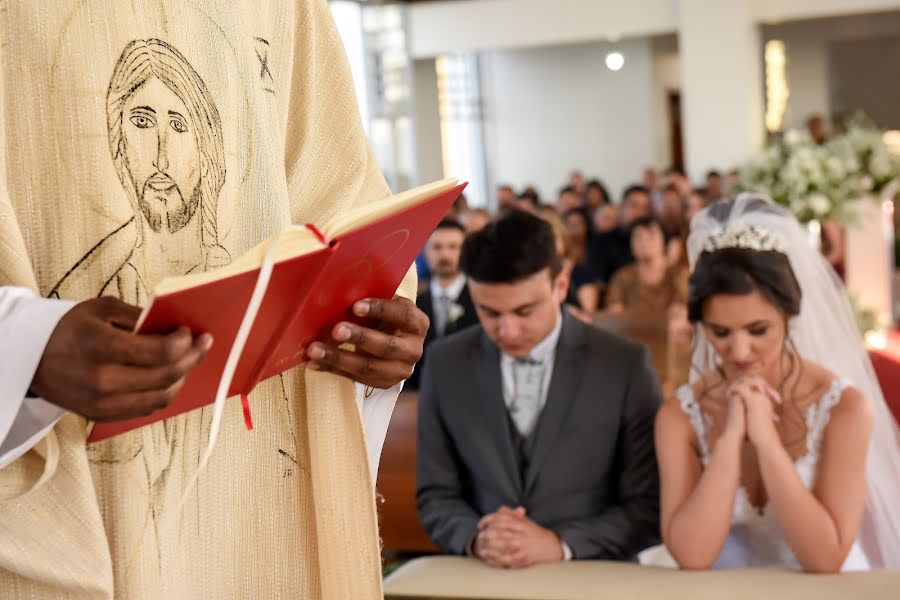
[[743, 271], [511, 249]]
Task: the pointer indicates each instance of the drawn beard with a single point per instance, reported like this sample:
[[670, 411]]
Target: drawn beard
[[163, 205]]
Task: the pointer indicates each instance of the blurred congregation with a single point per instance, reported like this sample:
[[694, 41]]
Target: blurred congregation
[[537, 428], [625, 257]]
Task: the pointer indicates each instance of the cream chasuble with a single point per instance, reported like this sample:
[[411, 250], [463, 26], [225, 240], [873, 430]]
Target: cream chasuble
[[148, 138]]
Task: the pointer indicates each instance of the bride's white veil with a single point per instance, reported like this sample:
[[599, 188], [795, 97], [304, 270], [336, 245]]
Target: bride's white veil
[[825, 332]]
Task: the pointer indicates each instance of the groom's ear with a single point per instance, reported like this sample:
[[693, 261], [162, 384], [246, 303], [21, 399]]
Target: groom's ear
[[561, 285]]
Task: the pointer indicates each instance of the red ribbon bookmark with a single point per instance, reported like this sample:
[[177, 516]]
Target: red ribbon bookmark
[[245, 404], [317, 233]]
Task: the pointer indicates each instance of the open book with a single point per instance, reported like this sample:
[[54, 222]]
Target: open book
[[273, 301]]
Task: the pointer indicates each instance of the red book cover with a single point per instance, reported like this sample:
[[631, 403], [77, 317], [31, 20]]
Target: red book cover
[[306, 296], [365, 263]]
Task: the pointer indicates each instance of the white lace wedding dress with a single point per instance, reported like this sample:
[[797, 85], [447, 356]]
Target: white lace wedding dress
[[755, 539]]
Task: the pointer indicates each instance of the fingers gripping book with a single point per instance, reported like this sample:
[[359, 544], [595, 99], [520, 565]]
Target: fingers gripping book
[[268, 305]]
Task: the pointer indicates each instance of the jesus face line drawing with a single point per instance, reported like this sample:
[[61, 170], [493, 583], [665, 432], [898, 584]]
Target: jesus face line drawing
[[165, 138], [161, 156]]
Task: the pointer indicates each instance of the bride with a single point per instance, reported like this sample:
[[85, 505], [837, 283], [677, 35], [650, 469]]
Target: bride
[[781, 451]]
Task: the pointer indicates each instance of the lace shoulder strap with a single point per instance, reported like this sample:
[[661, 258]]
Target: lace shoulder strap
[[819, 413], [691, 407]]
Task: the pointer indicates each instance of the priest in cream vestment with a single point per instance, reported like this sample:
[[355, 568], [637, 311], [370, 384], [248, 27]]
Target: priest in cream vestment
[[150, 138]]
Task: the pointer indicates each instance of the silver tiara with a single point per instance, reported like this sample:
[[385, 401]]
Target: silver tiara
[[749, 237]]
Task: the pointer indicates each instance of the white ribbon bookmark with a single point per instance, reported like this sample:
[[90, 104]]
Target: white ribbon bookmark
[[234, 356]]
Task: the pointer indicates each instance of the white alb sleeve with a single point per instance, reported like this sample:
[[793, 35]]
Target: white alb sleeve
[[376, 413], [26, 323]]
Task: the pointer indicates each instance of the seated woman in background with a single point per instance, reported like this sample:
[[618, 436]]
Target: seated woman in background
[[563, 248], [650, 284], [763, 458], [595, 196], [583, 280]]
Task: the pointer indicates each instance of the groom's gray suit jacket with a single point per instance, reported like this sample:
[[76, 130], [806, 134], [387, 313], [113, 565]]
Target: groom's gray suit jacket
[[588, 472]]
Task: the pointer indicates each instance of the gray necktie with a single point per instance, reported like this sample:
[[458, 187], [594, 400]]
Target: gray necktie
[[526, 405], [442, 313]]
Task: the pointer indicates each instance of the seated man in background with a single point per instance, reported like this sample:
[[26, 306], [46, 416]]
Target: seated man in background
[[606, 217], [474, 219], [535, 430], [528, 201], [506, 199], [446, 300], [568, 199], [611, 250]]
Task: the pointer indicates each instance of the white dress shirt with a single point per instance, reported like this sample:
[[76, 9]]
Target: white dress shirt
[[26, 323], [452, 291], [545, 353]]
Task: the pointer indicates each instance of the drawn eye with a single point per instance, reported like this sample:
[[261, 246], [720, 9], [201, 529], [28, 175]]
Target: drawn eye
[[178, 125], [142, 121]]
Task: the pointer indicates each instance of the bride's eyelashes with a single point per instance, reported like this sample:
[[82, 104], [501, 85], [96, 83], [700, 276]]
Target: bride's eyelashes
[[719, 332], [756, 330]]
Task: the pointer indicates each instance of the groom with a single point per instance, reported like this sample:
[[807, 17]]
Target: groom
[[535, 439]]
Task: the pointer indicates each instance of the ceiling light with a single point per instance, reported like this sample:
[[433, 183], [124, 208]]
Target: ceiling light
[[614, 61]]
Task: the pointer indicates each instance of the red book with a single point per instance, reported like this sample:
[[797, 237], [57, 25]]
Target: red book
[[316, 278]]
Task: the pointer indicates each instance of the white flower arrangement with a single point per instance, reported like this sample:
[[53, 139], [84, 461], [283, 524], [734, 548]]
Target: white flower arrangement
[[455, 313], [823, 181]]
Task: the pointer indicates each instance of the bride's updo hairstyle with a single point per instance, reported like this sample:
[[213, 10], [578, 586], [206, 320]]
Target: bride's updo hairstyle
[[740, 260]]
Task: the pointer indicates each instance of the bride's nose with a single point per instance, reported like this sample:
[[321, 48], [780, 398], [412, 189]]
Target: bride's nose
[[740, 347]]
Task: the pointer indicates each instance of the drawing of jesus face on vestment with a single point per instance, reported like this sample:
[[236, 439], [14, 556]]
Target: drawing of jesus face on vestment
[[165, 137], [161, 156]]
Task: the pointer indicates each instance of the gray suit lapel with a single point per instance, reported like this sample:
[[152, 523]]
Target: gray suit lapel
[[564, 383], [485, 364]]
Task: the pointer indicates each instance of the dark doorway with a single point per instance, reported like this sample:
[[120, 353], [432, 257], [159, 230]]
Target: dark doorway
[[677, 145]]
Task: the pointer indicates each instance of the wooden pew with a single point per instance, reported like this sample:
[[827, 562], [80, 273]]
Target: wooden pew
[[396, 484], [645, 328]]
